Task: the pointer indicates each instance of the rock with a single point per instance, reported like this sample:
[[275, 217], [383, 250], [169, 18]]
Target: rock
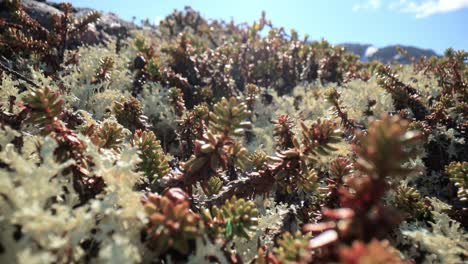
[[109, 22], [108, 25], [38, 10], [41, 11]]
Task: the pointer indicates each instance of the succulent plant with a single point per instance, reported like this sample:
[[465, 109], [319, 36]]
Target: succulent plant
[[251, 93], [129, 113], [104, 70], [387, 145], [190, 128], [208, 157], [201, 111], [228, 118], [212, 186], [27, 36], [347, 191], [46, 106], [458, 174], [283, 131], [110, 135], [258, 159], [176, 99], [318, 138], [340, 167], [218, 146], [410, 203], [333, 97], [237, 217], [154, 163], [293, 248], [292, 180], [404, 96], [171, 223]]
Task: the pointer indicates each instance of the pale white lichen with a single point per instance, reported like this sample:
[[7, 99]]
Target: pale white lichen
[[444, 237]]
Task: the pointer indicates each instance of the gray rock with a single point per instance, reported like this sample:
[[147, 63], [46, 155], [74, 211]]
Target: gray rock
[[109, 23], [99, 32], [41, 11]]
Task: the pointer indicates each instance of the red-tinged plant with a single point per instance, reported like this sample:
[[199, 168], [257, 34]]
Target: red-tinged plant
[[212, 153], [387, 145], [70, 147], [104, 70], [26, 36], [218, 147], [404, 96], [45, 109], [129, 113], [318, 139], [339, 168], [333, 97], [148, 66], [374, 252], [348, 206], [283, 133], [450, 71], [291, 170], [172, 225], [176, 99], [381, 154], [46, 106], [190, 128]]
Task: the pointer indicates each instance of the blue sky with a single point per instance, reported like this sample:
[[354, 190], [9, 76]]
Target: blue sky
[[433, 24]]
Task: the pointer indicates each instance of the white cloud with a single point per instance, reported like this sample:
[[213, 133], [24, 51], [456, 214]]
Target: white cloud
[[157, 20], [419, 8], [367, 5], [428, 7], [370, 51]]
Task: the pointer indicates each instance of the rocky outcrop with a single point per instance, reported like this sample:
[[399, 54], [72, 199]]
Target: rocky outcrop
[[38, 10], [42, 11]]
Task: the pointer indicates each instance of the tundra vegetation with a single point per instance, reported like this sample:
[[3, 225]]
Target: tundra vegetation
[[205, 141]]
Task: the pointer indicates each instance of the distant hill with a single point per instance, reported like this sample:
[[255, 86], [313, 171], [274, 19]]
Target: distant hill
[[387, 54]]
